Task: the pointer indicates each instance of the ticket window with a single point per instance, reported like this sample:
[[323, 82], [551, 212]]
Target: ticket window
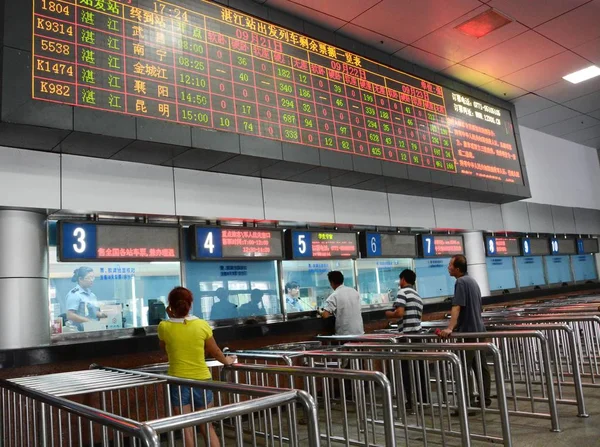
[[433, 280], [584, 268], [530, 272], [122, 295], [501, 274], [558, 269], [311, 278], [226, 290], [378, 279]]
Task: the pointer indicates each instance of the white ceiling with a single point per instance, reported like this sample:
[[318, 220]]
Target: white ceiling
[[523, 62]]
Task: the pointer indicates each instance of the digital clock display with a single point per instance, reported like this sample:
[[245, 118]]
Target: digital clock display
[[321, 245], [502, 246], [200, 63], [235, 243], [388, 245], [446, 245], [113, 242]]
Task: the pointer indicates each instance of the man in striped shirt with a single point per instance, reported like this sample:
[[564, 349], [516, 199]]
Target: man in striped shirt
[[408, 309]]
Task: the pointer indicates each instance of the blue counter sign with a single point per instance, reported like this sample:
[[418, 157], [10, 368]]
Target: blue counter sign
[[428, 246], [554, 246], [78, 241], [491, 246], [373, 244], [302, 244], [526, 246], [208, 243]]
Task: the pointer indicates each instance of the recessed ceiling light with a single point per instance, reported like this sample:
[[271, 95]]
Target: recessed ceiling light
[[583, 75], [484, 23]]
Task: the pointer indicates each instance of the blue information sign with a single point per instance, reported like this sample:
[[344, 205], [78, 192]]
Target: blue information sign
[[302, 244], [428, 246], [78, 241], [490, 246], [208, 243], [526, 242], [373, 244], [580, 247]]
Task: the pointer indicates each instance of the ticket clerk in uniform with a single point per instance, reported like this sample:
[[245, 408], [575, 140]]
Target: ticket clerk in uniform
[[82, 303]]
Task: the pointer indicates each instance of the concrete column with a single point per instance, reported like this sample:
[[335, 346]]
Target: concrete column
[[475, 253], [24, 306]]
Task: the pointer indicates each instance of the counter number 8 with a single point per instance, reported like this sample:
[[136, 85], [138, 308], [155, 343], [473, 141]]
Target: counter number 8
[[81, 245]]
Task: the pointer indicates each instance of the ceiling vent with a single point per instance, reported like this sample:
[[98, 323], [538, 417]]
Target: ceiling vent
[[483, 24]]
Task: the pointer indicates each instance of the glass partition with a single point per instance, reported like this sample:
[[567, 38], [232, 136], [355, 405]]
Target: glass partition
[[530, 270], [433, 280], [501, 273], [584, 267], [233, 289], [87, 297], [311, 278], [378, 279], [558, 269]]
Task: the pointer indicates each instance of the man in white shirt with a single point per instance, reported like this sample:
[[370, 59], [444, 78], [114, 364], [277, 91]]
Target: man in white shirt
[[344, 304]]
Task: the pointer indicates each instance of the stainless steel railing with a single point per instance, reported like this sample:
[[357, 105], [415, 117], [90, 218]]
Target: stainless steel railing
[[322, 383], [109, 406]]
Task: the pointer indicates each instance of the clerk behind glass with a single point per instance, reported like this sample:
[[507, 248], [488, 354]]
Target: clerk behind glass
[[81, 299]]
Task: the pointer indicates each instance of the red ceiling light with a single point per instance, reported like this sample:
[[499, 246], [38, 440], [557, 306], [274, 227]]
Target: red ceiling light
[[483, 24]]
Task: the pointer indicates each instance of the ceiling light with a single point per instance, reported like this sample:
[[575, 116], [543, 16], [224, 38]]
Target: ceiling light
[[583, 75], [484, 23]]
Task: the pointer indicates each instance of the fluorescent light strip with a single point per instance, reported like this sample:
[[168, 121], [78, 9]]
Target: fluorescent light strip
[[583, 75]]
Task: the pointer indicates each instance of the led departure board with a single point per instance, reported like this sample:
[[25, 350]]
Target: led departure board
[[442, 245], [535, 246], [502, 246], [587, 245], [199, 63], [321, 245], [235, 243], [561, 246], [388, 245], [90, 241]]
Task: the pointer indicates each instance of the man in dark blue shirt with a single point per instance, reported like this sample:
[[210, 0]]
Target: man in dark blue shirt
[[466, 317]]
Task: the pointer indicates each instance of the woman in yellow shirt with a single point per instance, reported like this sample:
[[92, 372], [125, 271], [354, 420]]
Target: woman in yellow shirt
[[186, 339]]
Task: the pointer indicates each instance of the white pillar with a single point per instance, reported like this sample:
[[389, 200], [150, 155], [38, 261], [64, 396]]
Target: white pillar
[[475, 254], [24, 306]]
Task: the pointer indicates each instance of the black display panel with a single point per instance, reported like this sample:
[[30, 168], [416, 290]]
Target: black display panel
[[442, 245], [535, 246], [235, 243], [91, 241], [200, 63], [587, 245], [321, 245], [502, 246], [387, 245]]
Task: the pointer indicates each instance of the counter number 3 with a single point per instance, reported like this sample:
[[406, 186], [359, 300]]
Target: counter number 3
[[77, 241]]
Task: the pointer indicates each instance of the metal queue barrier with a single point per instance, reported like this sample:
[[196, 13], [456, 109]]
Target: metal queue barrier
[[115, 407], [586, 330], [479, 428], [528, 383], [563, 355], [429, 425], [341, 422]]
